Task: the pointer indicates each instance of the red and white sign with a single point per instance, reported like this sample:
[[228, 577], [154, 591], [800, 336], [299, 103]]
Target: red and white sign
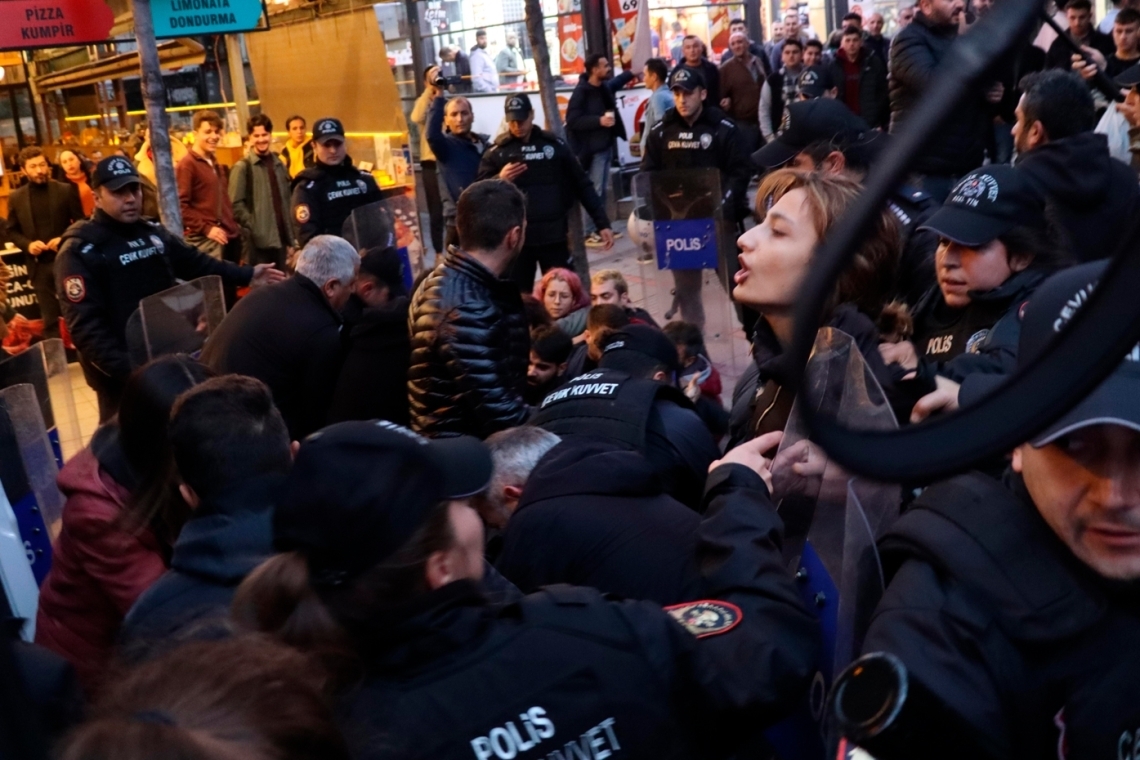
[[53, 23]]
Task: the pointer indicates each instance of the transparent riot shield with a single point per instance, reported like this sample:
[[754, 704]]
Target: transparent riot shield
[[833, 521], [176, 321], [687, 255], [28, 471], [387, 224], [44, 367]]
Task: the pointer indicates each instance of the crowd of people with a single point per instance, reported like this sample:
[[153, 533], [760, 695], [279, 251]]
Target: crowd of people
[[508, 512]]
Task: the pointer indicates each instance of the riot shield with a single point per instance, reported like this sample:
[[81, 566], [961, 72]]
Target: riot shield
[[176, 321], [387, 224], [44, 367], [28, 471], [687, 257], [833, 520]]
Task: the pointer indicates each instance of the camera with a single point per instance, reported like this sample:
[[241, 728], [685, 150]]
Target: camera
[[443, 82]]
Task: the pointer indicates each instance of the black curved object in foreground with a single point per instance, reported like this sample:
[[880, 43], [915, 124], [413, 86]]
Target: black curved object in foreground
[[1086, 352]]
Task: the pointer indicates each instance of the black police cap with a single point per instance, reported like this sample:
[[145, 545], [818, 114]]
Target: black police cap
[[114, 172]]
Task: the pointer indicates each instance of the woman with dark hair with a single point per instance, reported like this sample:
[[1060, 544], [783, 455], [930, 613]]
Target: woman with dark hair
[[796, 211], [74, 169], [996, 245], [122, 516], [242, 699], [566, 301]]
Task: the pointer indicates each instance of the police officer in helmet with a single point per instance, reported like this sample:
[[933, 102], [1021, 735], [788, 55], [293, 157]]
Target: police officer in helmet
[[325, 194], [633, 398], [379, 521], [107, 264], [1016, 602], [553, 181], [698, 135]]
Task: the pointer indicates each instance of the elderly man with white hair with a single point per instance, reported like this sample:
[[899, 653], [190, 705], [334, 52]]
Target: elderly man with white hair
[[288, 336]]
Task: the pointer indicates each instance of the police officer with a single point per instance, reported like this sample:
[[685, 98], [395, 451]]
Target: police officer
[[107, 264], [394, 551], [824, 135], [545, 169], [633, 398], [325, 194], [697, 135], [1015, 602]]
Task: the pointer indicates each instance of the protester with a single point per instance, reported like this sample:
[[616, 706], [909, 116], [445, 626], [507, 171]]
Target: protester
[[259, 191], [77, 171], [797, 210], [325, 195], [699, 379], [544, 168], [1081, 31], [231, 450], [108, 264], [996, 246], [1020, 673], [509, 62], [373, 380], [1094, 196], [207, 213], [656, 77], [779, 90], [862, 79], [915, 54], [38, 214], [593, 127], [536, 314], [429, 172], [741, 78], [397, 562], [875, 41], [121, 519], [250, 698], [515, 453], [297, 152], [609, 286], [601, 320], [566, 301], [289, 336], [549, 351], [470, 341], [459, 151], [484, 77]]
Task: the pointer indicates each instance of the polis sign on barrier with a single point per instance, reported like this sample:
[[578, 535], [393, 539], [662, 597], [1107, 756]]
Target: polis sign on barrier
[[53, 23], [187, 18]]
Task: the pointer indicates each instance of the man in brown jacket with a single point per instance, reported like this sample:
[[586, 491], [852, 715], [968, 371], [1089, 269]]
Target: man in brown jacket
[[203, 193], [741, 78]]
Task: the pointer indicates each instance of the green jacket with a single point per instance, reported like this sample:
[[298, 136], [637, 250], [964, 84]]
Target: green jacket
[[253, 201]]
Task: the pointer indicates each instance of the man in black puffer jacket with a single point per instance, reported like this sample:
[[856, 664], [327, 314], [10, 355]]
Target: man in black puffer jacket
[[470, 340], [1093, 196], [915, 54]]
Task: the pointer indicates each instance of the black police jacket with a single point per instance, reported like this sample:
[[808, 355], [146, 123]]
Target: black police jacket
[[105, 268], [994, 614], [651, 417], [711, 142], [552, 183], [373, 381], [565, 673], [912, 207], [324, 196], [287, 336], [470, 351], [594, 514]]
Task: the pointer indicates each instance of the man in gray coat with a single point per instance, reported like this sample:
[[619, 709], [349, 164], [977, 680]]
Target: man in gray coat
[[259, 191]]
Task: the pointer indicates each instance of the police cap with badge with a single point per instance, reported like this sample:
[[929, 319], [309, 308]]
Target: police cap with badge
[[114, 173], [814, 82], [518, 107], [986, 204], [686, 79], [327, 129]]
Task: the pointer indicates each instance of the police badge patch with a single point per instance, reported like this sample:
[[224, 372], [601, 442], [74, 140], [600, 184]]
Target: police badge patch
[[548, 151], [302, 213], [707, 617], [157, 242], [75, 288], [706, 140]]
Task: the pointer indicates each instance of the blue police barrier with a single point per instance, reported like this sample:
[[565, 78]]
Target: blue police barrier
[[44, 367], [177, 320], [833, 520], [28, 473]]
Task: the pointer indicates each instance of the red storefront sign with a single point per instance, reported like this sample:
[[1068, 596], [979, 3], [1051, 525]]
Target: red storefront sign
[[53, 23]]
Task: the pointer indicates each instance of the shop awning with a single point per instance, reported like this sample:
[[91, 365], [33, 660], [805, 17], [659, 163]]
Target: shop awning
[[172, 54]]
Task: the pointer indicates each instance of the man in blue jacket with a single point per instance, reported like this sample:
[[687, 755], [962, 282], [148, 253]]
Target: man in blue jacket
[[458, 151]]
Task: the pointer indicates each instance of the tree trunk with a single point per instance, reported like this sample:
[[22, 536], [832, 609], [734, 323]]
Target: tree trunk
[[154, 97], [554, 125]]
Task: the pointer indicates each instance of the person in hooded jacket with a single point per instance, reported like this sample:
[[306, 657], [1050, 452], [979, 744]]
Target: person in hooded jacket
[[120, 520], [796, 210], [1093, 195], [995, 247], [373, 379], [232, 452]]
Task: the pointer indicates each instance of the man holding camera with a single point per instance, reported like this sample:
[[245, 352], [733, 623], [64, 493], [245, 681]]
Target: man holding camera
[[458, 150]]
